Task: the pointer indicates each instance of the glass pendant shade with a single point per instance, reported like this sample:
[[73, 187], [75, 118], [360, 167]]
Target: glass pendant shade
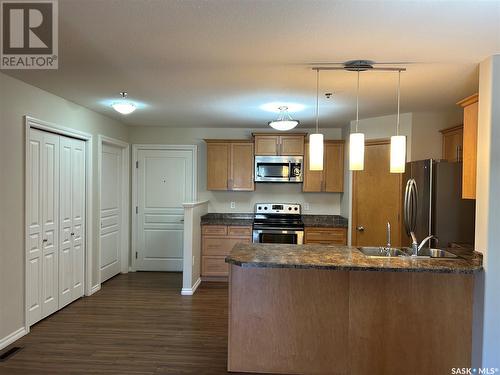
[[398, 153], [316, 152], [283, 125], [356, 152]]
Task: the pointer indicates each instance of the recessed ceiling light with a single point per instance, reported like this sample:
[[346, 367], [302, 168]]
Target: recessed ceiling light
[[124, 107]]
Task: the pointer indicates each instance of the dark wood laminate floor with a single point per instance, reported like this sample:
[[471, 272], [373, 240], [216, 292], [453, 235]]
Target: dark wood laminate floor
[[137, 324]]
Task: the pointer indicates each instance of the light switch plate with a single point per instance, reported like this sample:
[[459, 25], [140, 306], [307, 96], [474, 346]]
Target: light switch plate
[[233, 205]]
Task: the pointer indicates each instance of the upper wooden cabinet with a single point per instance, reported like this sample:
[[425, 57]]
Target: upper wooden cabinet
[[331, 178], [470, 106], [230, 165], [453, 143], [291, 144]]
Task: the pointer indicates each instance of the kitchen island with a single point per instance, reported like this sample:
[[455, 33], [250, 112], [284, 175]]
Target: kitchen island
[[316, 309]]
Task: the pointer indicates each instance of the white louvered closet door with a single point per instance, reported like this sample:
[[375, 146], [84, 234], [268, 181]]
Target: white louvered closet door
[[72, 220], [43, 221]]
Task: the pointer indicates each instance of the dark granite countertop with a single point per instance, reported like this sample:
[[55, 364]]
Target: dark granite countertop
[[242, 219], [343, 258], [327, 221]]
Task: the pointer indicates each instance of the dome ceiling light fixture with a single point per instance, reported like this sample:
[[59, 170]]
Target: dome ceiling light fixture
[[124, 106], [284, 121]]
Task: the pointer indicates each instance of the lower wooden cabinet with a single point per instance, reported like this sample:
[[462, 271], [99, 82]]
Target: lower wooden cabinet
[[326, 236], [216, 243]]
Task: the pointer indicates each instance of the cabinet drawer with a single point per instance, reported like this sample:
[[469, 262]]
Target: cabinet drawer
[[214, 230], [220, 246], [239, 231], [326, 235], [214, 266]]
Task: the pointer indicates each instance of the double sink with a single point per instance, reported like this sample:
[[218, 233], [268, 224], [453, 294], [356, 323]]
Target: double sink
[[388, 252]]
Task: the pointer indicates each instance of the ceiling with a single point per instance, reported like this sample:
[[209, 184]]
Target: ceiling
[[213, 63]]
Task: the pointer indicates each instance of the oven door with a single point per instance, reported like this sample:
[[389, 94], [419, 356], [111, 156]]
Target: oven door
[[293, 237]]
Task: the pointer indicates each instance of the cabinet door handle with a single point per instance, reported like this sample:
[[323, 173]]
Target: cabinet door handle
[[44, 240], [360, 228]]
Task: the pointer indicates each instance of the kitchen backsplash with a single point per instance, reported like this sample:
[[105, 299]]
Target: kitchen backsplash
[[312, 203]]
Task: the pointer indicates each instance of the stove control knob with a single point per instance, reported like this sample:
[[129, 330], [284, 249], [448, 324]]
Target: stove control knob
[[289, 208], [295, 208], [265, 208], [259, 208]]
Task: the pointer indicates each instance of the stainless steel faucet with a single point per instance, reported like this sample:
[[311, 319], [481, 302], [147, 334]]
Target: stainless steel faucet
[[417, 247], [388, 234]]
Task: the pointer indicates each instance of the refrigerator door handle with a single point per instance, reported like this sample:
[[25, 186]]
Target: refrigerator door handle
[[410, 206], [406, 208]]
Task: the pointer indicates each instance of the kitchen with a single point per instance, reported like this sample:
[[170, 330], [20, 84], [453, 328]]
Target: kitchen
[[318, 197]]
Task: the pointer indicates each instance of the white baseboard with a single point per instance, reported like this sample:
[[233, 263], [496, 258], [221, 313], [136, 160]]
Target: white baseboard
[[190, 291], [95, 289], [9, 339]]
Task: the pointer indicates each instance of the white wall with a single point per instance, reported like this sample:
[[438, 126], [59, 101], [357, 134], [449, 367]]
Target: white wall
[[426, 140], [320, 203], [191, 270], [16, 100], [488, 206]]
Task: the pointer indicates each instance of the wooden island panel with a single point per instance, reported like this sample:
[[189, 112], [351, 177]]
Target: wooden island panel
[[409, 323], [311, 321], [288, 321]]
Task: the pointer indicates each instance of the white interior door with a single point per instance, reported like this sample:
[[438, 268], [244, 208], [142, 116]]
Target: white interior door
[[43, 200], [72, 220], [164, 183], [111, 211]]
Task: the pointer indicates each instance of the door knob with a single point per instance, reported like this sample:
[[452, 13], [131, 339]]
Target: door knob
[[360, 228]]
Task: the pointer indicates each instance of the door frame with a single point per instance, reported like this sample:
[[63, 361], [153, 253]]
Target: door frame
[[135, 150], [34, 123], [354, 212], [125, 200]]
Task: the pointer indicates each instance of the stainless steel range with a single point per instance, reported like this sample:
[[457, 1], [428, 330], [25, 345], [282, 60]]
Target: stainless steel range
[[278, 223]]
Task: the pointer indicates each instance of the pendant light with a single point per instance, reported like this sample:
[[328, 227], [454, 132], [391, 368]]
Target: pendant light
[[357, 142], [124, 106], [284, 121], [316, 139], [398, 142]]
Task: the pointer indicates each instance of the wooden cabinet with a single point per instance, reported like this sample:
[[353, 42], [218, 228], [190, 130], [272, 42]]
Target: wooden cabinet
[[326, 236], [273, 144], [216, 243], [453, 143], [470, 106], [331, 178], [230, 165]]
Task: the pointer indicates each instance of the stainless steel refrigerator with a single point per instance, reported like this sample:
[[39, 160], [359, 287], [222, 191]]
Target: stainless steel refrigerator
[[433, 204]]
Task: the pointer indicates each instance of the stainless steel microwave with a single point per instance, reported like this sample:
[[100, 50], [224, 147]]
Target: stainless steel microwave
[[279, 168]]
